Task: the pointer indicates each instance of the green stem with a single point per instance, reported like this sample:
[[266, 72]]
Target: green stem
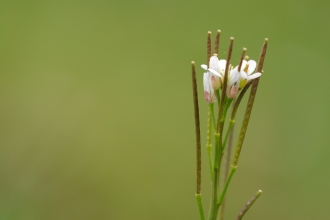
[[217, 161], [231, 124], [208, 138], [223, 118], [209, 155], [215, 179], [217, 92], [228, 102], [200, 206], [212, 115], [223, 193], [228, 147], [222, 121]]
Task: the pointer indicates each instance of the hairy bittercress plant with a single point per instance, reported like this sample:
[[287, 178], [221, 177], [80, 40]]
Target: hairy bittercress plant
[[224, 86]]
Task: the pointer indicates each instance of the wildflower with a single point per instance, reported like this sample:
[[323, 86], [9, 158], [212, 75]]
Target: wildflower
[[246, 72], [209, 94], [233, 84], [216, 70]]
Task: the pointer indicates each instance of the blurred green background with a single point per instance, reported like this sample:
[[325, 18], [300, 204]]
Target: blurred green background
[[96, 117]]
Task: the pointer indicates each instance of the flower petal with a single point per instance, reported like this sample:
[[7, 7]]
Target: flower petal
[[252, 66], [214, 63], [215, 72], [206, 82], [222, 66], [253, 76], [244, 62], [234, 77], [209, 94], [204, 66], [243, 75]]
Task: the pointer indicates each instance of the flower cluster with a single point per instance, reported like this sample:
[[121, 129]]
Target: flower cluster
[[238, 77]]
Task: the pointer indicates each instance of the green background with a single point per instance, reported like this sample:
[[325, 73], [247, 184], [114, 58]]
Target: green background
[[96, 114]]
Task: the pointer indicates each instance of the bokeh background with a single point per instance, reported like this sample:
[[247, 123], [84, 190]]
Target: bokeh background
[[96, 117]]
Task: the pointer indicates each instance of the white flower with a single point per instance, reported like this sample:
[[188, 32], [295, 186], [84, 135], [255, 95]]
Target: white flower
[[246, 72], [209, 94], [233, 84], [216, 70]]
